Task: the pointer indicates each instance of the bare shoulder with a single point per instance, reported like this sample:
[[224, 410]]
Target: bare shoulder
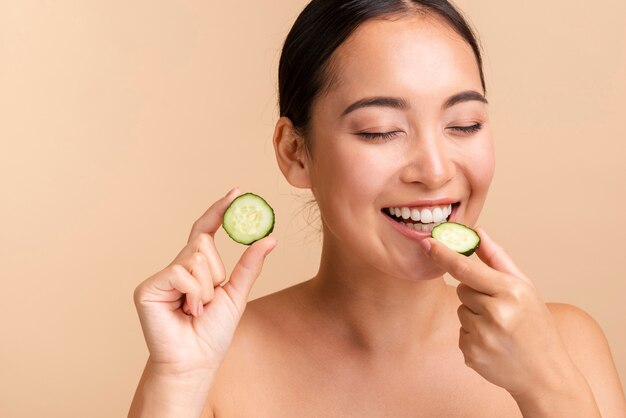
[[580, 332], [589, 350], [261, 341], [265, 324]]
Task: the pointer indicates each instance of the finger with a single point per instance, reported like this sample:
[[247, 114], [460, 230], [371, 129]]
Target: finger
[[477, 276], [477, 302], [211, 220], [464, 344], [196, 264], [206, 245], [496, 257], [467, 318], [168, 286], [247, 270]]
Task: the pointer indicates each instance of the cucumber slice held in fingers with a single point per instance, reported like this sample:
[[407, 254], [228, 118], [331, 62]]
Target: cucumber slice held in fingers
[[248, 219], [457, 237]]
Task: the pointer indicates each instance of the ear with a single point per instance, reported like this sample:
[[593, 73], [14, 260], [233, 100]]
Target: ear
[[291, 154]]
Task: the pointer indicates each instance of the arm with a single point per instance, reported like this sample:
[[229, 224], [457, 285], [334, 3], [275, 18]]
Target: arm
[[590, 352], [162, 395]]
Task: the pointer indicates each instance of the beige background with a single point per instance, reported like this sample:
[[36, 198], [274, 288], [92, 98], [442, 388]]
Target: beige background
[[122, 121]]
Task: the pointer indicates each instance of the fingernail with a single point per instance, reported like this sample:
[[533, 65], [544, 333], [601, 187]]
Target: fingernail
[[425, 243], [200, 308]]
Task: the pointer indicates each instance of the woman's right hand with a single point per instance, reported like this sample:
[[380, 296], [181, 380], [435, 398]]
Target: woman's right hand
[[188, 317]]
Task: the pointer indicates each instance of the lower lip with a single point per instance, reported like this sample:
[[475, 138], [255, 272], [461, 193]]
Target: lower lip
[[411, 233]]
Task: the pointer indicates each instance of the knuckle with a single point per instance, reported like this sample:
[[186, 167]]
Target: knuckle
[[462, 340], [502, 317], [472, 356], [462, 311], [468, 356], [203, 239], [460, 289], [177, 270], [198, 259], [137, 294], [518, 292], [462, 292], [459, 310]]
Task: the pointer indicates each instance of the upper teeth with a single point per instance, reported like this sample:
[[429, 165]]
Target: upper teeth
[[434, 214]]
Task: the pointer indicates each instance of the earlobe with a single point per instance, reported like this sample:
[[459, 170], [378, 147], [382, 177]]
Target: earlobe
[[291, 154]]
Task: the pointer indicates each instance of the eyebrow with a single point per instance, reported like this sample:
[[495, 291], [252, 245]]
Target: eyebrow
[[464, 96], [392, 102], [402, 104]]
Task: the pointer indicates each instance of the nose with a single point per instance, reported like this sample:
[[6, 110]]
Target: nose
[[429, 161]]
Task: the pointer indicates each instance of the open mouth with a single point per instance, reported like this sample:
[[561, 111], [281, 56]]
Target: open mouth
[[422, 219]]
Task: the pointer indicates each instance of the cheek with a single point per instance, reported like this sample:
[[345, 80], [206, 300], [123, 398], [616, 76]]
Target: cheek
[[481, 173], [479, 170], [478, 160], [486, 169], [352, 172], [347, 182]]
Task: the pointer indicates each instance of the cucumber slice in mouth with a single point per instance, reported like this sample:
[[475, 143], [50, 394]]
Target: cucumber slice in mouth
[[248, 219], [458, 237]]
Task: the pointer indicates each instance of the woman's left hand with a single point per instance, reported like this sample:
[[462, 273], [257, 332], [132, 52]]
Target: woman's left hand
[[507, 334]]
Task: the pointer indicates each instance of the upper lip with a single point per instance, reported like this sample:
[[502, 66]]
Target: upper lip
[[426, 202]]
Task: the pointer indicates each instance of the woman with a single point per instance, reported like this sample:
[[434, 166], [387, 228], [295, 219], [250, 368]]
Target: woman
[[384, 118]]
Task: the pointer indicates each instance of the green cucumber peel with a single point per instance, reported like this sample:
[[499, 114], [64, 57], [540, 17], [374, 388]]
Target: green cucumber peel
[[456, 236], [248, 219]]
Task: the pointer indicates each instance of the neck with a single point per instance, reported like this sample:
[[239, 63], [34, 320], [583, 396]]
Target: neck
[[374, 312]]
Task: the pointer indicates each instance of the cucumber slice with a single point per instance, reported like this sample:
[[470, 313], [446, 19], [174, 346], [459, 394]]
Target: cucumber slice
[[457, 237], [248, 219]]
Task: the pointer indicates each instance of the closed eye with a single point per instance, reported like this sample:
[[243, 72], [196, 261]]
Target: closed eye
[[379, 135], [467, 129]]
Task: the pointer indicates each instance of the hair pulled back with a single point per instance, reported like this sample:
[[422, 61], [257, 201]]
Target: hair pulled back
[[322, 26]]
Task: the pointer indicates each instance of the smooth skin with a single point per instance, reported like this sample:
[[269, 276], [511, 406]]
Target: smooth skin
[[377, 332]]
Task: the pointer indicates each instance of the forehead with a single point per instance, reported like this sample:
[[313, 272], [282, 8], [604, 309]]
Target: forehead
[[418, 54]]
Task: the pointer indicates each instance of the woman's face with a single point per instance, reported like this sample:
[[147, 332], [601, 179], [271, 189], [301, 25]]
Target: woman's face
[[436, 149]]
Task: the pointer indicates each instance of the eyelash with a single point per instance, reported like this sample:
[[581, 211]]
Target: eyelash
[[379, 135], [468, 129], [388, 135]]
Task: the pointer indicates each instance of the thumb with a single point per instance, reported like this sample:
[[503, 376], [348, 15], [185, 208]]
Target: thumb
[[247, 270]]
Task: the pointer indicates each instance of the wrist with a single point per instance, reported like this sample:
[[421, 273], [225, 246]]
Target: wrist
[[165, 393], [168, 372], [565, 394]]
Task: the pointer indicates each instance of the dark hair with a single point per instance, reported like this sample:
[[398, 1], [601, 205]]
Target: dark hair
[[323, 25]]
